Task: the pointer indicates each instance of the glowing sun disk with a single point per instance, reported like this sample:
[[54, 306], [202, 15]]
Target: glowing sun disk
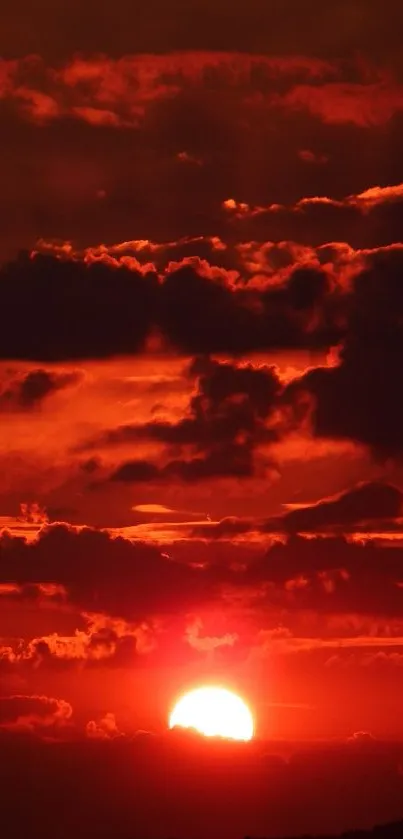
[[214, 712]]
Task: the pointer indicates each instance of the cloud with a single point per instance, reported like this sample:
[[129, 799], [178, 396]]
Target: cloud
[[331, 575], [104, 643], [358, 398], [84, 184], [369, 507], [352, 651], [290, 297], [86, 317], [226, 462], [100, 310], [102, 573], [161, 510], [117, 92], [227, 417], [362, 737], [135, 582], [99, 647], [367, 219], [34, 713], [368, 503], [103, 729], [206, 643], [382, 660], [29, 390], [362, 104]]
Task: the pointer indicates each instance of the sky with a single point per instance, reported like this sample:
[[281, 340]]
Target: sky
[[201, 417]]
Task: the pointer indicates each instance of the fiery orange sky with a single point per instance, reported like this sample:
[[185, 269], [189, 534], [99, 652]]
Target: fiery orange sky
[[201, 418]]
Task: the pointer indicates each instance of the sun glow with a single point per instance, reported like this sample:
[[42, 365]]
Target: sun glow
[[214, 712]]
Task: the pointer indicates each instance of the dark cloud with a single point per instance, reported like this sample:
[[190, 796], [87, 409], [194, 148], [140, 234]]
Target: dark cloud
[[298, 299], [226, 419], [370, 507], [334, 575], [317, 220], [236, 319], [112, 144], [102, 573], [370, 503], [360, 398], [100, 310], [226, 324], [133, 581], [121, 93], [105, 92], [34, 712], [138, 471], [227, 461], [87, 315], [29, 390]]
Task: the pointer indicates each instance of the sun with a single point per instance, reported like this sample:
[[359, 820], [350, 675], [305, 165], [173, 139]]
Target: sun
[[214, 712]]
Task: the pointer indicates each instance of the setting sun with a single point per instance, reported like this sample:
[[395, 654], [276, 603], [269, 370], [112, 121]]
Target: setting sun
[[214, 712]]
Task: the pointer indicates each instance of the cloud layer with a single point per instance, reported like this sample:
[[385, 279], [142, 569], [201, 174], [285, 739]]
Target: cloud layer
[[200, 363]]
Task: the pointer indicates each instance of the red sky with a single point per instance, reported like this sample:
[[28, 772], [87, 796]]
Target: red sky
[[201, 418]]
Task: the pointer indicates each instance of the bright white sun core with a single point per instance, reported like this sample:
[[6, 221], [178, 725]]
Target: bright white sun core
[[214, 712]]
